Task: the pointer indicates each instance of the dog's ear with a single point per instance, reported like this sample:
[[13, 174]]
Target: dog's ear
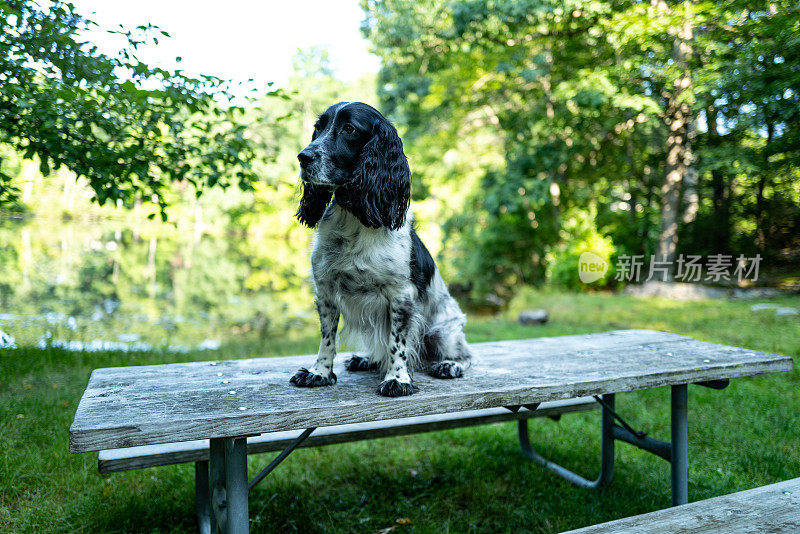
[[312, 204], [380, 192]]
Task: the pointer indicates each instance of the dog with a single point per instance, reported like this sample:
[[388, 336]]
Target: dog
[[369, 266]]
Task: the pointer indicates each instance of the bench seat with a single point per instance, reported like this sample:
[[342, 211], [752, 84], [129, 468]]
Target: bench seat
[[773, 508], [125, 459]]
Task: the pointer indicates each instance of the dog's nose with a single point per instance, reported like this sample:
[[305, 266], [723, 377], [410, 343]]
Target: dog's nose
[[305, 157]]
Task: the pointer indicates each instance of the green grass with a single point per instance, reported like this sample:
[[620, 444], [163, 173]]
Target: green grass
[[465, 480]]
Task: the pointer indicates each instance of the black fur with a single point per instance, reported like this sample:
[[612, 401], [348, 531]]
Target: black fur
[[356, 157], [422, 265], [360, 363], [401, 318], [395, 388], [447, 370], [368, 263], [305, 378], [380, 193], [429, 349], [313, 203]]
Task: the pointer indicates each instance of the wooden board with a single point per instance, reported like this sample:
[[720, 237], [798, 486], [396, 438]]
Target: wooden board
[[130, 406], [195, 451], [773, 508]]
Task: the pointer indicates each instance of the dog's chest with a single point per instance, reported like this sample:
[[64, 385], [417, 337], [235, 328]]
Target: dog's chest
[[359, 260]]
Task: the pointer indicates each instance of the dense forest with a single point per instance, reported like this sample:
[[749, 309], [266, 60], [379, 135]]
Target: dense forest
[[535, 130], [630, 127]]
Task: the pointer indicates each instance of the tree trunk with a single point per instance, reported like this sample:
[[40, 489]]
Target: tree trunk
[[649, 202], [677, 118], [720, 186], [555, 190], [761, 233], [691, 199]]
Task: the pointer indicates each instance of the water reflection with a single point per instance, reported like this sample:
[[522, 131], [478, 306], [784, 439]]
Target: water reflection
[[129, 283]]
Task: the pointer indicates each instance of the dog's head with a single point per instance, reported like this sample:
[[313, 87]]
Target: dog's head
[[355, 154]]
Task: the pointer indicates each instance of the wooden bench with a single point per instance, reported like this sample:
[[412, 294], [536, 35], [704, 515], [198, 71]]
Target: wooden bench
[[227, 402], [773, 508], [125, 459]]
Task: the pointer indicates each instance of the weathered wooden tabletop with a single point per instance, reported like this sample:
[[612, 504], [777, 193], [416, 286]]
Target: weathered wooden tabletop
[[129, 406]]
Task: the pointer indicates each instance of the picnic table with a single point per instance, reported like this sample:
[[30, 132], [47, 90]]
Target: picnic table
[[227, 401]]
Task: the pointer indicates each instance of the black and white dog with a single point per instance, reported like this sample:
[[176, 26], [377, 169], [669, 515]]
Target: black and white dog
[[368, 264]]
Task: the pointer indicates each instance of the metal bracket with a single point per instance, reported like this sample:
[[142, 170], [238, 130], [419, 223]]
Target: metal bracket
[[606, 451], [281, 457], [660, 448], [715, 384], [638, 433], [676, 451], [514, 408]]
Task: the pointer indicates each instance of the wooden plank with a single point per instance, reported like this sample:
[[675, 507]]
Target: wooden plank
[[773, 508], [130, 406], [112, 460]]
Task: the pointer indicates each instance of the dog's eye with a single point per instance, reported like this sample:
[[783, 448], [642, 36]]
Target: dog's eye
[[348, 128]]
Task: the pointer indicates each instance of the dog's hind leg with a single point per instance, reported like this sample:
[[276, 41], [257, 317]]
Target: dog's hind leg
[[360, 363], [447, 350]]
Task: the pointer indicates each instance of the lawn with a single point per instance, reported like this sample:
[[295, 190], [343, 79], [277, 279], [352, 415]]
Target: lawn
[[465, 480]]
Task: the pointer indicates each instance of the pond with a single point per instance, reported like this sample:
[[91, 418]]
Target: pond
[[131, 283]]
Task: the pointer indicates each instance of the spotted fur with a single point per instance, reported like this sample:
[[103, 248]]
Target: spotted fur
[[368, 264]]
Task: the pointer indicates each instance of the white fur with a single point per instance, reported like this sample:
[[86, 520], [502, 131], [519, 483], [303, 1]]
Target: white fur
[[363, 271]]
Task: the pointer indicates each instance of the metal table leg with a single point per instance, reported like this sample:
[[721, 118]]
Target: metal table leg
[[236, 485], [217, 485], [201, 497], [680, 452], [606, 451], [228, 484]]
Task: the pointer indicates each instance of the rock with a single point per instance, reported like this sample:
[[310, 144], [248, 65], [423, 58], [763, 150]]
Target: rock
[[675, 291], [528, 317], [786, 311], [494, 300], [209, 344], [6, 341], [761, 306], [694, 291], [756, 293]]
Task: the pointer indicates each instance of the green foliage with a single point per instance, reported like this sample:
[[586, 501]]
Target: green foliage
[[563, 262], [128, 128], [577, 99], [502, 235]]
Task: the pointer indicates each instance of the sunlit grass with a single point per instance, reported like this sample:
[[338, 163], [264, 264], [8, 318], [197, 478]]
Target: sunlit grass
[[466, 480]]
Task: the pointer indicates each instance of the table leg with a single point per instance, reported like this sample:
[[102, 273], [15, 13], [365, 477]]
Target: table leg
[[680, 452], [201, 497], [606, 451], [236, 485], [217, 485]]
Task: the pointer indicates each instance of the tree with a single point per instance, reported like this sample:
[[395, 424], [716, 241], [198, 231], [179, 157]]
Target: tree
[[758, 97], [547, 79], [128, 128], [678, 118], [599, 108]]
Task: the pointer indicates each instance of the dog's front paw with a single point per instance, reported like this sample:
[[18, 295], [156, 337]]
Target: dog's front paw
[[309, 379], [360, 363], [447, 369], [395, 388]]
